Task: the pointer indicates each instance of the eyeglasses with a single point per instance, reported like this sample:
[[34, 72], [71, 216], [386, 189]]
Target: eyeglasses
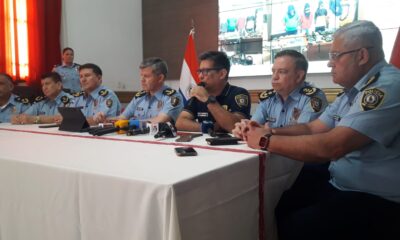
[[206, 71], [333, 56]]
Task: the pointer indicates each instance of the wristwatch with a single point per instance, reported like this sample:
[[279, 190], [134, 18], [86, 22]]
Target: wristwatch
[[264, 141], [211, 99]]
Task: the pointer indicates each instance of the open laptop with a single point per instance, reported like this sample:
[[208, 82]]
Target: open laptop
[[73, 120]]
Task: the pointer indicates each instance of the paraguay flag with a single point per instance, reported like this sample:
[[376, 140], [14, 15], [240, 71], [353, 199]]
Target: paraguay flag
[[189, 77]]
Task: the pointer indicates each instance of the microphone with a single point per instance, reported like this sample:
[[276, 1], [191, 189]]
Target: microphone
[[190, 101], [120, 126], [133, 132]]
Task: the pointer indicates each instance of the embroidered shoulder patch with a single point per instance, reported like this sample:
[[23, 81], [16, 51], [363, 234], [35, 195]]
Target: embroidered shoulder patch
[[266, 94], [65, 100], [39, 98], [169, 92], [309, 91], [140, 94], [22, 100], [175, 101], [78, 94], [316, 104], [242, 100], [372, 98], [103, 92], [109, 103]]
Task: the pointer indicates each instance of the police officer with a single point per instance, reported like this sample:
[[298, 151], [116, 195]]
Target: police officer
[[69, 71], [45, 108], [96, 100], [9, 103], [218, 101], [156, 102], [291, 100], [359, 135]]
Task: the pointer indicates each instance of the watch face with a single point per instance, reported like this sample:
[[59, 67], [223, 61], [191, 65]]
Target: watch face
[[263, 142]]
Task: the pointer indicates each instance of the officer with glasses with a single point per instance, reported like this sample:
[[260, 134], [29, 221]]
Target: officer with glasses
[[359, 134], [216, 101]]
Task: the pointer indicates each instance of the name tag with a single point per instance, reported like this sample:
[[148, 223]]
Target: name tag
[[202, 114]]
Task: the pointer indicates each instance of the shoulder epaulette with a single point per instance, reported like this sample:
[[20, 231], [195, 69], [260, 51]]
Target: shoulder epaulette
[[78, 94], [39, 98], [309, 91], [103, 92], [140, 94], [22, 100], [370, 81], [169, 92], [266, 94], [65, 99]]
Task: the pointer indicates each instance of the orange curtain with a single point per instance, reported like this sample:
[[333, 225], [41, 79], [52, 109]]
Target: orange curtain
[[395, 58], [31, 33], [2, 38]]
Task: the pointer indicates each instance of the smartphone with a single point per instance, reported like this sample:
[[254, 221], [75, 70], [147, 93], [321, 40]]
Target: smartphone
[[222, 141], [185, 151], [49, 126]]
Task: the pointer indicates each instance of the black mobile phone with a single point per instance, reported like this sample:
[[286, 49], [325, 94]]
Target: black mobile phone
[[49, 126], [185, 151], [222, 141]]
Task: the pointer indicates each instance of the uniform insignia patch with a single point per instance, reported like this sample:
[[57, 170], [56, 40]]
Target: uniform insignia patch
[[140, 94], [22, 100], [316, 104], [169, 92], [225, 107], [78, 94], [308, 91], [175, 101], [39, 98], [372, 98], [65, 100], [296, 114], [109, 103], [242, 100], [160, 104], [266, 94], [103, 92]]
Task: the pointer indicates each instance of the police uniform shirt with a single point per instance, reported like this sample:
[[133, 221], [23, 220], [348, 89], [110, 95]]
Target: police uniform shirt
[[48, 107], [69, 76], [143, 106], [101, 99], [372, 108], [233, 99], [303, 105], [15, 105]]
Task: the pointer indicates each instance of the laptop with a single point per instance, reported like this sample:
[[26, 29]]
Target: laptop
[[73, 120]]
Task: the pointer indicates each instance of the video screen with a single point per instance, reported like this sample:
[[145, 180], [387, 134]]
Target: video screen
[[252, 32]]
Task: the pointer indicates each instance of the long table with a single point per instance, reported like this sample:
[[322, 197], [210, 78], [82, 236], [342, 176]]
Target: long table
[[59, 185]]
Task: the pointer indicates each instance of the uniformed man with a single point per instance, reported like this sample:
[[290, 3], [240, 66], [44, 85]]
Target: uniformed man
[[359, 134], [218, 101], [10, 104], [156, 102], [69, 71], [45, 108], [96, 100], [292, 100]]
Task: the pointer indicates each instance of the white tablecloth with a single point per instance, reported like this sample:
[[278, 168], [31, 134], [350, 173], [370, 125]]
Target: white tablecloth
[[58, 185]]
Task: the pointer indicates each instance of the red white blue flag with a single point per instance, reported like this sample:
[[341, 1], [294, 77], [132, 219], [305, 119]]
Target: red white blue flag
[[189, 77]]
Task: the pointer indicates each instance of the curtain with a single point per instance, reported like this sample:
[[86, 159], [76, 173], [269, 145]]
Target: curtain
[[395, 58], [43, 38], [2, 42]]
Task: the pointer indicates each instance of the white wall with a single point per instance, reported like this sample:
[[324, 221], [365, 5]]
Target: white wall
[[107, 33]]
